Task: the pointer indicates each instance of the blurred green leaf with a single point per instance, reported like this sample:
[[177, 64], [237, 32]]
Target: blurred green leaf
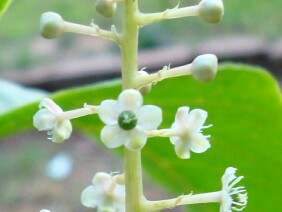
[[244, 106], [4, 4], [13, 95]]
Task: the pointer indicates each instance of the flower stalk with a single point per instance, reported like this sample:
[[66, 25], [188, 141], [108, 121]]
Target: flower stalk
[[129, 52], [183, 200]]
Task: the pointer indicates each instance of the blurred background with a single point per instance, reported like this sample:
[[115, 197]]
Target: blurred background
[[250, 32]]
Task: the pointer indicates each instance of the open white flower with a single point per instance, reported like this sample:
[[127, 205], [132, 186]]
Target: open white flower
[[127, 120], [187, 132], [48, 119], [105, 194], [232, 198]]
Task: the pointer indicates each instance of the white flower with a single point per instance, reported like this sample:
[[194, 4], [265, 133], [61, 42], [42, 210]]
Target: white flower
[[232, 198], [188, 135], [44, 210], [126, 120], [48, 118], [105, 194]]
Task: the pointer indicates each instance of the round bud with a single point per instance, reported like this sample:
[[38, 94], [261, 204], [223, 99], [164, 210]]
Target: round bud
[[204, 67], [211, 10], [51, 25], [146, 89], [106, 8], [127, 120]]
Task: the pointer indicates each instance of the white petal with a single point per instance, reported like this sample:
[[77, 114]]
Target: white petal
[[228, 177], [130, 100], [226, 202], [102, 181], [137, 139], [50, 105], [90, 197], [119, 202], [108, 112], [199, 143], [62, 131], [182, 149], [175, 139], [181, 117], [44, 120], [196, 119], [113, 136], [149, 117]]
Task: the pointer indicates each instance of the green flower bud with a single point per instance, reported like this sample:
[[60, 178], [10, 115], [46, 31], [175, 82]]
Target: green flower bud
[[127, 120], [51, 25], [106, 8], [204, 67], [211, 10]]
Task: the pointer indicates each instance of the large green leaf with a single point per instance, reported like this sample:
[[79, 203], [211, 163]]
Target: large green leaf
[[4, 4], [244, 106]]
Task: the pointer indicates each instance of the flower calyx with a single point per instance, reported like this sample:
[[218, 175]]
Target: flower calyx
[[104, 194], [188, 135], [233, 198], [127, 119], [48, 119]]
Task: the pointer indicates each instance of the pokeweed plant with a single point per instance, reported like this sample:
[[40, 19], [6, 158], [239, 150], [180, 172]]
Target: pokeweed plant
[[129, 123]]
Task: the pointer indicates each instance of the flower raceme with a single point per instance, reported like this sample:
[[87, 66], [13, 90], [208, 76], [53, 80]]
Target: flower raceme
[[127, 119]]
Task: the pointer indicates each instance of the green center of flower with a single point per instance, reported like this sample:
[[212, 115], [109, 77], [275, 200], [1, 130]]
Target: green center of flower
[[127, 120]]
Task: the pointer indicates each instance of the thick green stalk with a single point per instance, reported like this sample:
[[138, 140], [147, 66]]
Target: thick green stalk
[[132, 159], [129, 44]]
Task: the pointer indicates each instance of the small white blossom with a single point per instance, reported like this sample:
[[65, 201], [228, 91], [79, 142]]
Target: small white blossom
[[188, 135], [127, 120], [233, 198], [48, 119], [44, 210], [105, 194]]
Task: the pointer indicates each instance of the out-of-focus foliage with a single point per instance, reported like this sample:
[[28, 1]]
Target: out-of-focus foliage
[[13, 95], [4, 4], [244, 106], [244, 17], [22, 47]]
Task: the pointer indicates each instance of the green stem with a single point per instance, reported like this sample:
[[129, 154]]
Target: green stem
[[133, 181], [129, 44], [183, 200], [129, 52]]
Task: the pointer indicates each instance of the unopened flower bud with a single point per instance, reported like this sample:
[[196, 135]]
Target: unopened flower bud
[[146, 89], [51, 25], [211, 10], [106, 8], [204, 67]]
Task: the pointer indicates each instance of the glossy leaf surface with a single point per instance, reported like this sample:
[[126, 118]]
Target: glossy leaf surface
[[244, 107]]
